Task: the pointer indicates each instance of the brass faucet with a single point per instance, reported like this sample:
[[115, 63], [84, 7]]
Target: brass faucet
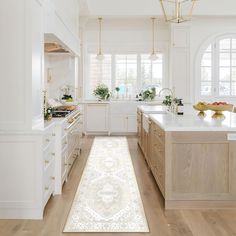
[[168, 89]]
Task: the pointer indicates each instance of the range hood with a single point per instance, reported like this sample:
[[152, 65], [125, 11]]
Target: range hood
[[54, 48]]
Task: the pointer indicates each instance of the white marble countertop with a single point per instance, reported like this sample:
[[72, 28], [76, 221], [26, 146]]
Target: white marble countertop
[[191, 122]]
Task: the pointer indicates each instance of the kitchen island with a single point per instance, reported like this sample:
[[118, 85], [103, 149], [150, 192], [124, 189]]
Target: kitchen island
[[193, 160]]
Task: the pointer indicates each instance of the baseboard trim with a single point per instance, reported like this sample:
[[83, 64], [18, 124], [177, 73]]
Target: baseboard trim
[[199, 204]]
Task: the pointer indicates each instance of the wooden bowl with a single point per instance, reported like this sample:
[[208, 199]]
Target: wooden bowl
[[218, 109]]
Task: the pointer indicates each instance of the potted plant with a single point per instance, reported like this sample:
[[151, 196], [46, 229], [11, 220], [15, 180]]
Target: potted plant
[[149, 94], [102, 92], [117, 92]]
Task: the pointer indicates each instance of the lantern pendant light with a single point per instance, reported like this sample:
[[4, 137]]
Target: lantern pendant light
[[100, 55], [153, 55], [177, 11]]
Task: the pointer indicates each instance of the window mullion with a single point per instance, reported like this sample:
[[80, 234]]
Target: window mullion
[[231, 55], [113, 71], [216, 70], [139, 78]]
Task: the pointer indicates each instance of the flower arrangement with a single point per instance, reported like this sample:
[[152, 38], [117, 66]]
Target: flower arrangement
[[66, 90], [102, 92], [149, 94]]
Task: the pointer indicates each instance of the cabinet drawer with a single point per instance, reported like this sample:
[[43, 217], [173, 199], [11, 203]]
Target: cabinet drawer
[[64, 164], [48, 139], [160, 178], [64, 142], [158, 133], [48, 157], [49, 182]]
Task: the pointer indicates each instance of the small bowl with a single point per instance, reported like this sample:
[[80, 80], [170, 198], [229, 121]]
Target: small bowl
[[201, 108]]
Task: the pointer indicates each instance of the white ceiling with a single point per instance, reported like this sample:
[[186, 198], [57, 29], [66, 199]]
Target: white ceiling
[[139, 8]]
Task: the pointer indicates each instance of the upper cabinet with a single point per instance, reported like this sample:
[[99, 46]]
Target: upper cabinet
[[179, 61], [21, 64], [61, 23], [180, 36]]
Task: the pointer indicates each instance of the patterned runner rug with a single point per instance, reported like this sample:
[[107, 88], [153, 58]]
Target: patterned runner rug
[[108, 198]]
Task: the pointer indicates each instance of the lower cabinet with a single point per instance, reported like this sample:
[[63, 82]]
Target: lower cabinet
[[69, 145], [193, 169], [97, 118], [139, 128], [123, 123], [156, 155], [27, 173]]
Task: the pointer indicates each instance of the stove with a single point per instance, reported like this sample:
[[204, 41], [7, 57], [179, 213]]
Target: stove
[[60, 114]]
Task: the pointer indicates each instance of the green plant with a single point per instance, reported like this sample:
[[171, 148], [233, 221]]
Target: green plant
[[117, 89], [102, 92], [168, 100], [149, 94]]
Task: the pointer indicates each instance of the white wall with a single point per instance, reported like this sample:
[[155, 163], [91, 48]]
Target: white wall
[[132, 35], [68, 11], [125, 35], [61, 69]]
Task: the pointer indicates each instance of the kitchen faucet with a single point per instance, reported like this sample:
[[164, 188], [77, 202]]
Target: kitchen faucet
[[168, 89]]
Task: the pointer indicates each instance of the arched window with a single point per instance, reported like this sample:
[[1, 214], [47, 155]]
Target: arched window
[[218, 69]]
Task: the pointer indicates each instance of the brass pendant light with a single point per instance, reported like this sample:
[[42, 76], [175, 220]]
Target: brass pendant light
[[153, 55], [100, 55], [177, 11]]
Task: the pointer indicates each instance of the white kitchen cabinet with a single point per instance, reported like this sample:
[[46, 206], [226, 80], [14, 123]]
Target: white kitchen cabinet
[[123, 117], [68, 146], [27, 173], [132, 123], [21, 64], [97, 116], [123, 123], [61, 23], [180, 62], [180, 36]]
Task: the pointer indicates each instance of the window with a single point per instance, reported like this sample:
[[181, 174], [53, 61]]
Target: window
[[126, 74], [130, 72], [218, 69], [151, 72], [99, 72]]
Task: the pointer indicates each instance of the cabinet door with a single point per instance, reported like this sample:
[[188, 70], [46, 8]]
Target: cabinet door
[[132, 123], [97, 118], [118, 123]]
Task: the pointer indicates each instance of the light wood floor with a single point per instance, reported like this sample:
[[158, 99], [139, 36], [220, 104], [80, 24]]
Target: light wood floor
[[161, 222]]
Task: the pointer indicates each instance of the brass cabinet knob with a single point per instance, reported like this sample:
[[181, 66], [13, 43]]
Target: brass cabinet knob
[[46, 161], [53, 153], [53, 134], [52, 178], [47, 140], [46, 188]]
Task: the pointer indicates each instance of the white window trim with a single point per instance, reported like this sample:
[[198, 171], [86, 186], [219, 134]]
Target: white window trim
[[139, 81], [215, 69]]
